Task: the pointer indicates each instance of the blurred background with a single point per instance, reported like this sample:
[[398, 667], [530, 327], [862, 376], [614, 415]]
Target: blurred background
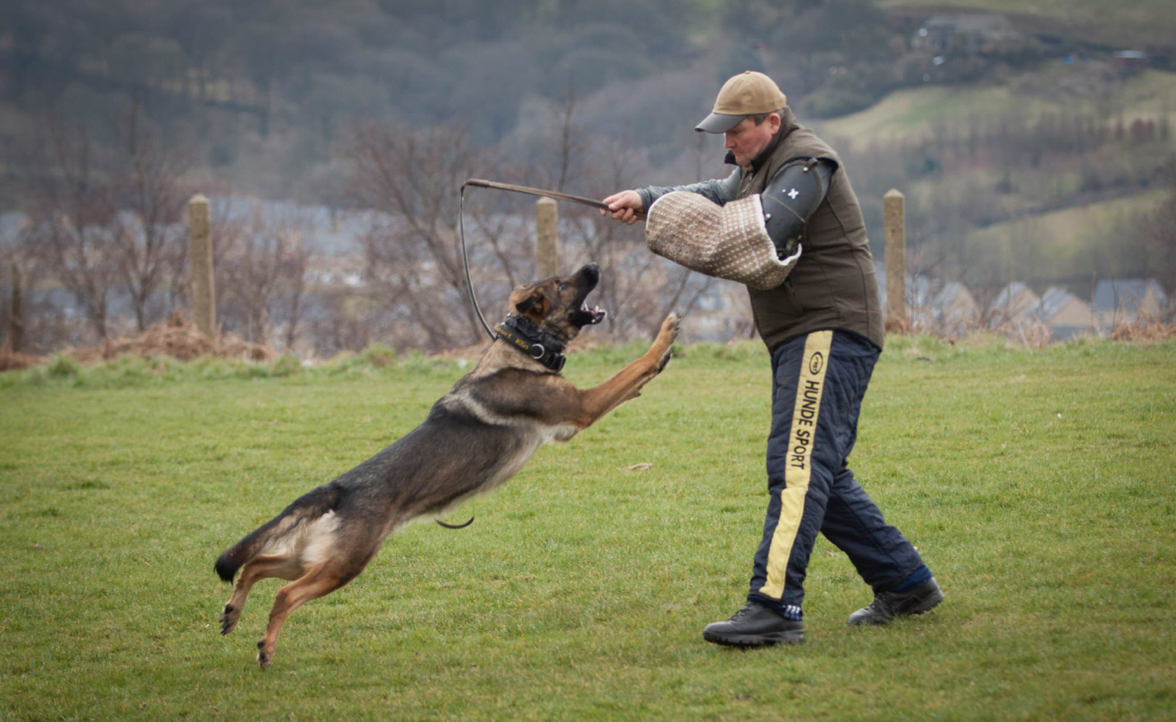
[[1032, 142]]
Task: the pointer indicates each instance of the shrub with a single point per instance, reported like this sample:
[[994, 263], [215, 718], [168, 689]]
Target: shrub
[[378, 355], [287, 365], [64, 366]]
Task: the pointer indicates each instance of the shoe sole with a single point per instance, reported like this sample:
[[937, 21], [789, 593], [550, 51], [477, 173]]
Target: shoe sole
[[754, 640]]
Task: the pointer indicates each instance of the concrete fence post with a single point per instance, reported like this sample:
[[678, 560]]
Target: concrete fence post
[[894, 213], [547, 246], [16, 313], [203, 288]]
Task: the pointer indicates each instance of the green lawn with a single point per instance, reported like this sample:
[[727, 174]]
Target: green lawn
[[1037, 484]]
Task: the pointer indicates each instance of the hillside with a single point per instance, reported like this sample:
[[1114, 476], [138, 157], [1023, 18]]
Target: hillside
[[1081, 88], [994, 126], [1073, 247], [262, 95], [1021, 176], [1127, 24]]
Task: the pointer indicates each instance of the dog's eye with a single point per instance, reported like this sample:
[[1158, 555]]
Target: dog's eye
[[563, 287]]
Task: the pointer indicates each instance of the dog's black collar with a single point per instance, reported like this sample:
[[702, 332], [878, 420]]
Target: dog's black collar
[[524, 335]]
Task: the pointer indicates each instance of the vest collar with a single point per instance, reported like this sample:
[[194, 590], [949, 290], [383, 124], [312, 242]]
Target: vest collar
[[524, 335]]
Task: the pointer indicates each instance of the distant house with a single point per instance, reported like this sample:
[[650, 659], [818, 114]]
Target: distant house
[[1127, 301], [966, 33], [1011, 305], [954, 309], [1064, 314], [1129, 59]]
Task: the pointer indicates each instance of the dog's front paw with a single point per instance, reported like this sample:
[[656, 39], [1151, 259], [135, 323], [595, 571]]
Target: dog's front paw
[[669, 329], [665, 339]]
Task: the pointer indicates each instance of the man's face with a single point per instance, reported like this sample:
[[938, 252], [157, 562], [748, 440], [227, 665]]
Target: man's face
[[747, 139]]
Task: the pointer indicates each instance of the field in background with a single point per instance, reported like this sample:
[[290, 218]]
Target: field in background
[[1062, 235], [1036, 483], [989, 203], [1129, 24], [916, 113]]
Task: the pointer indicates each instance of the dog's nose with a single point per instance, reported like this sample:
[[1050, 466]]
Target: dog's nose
[[591, 272]]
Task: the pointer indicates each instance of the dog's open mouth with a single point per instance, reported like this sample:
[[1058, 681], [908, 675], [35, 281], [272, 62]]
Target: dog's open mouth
[[587, 315]]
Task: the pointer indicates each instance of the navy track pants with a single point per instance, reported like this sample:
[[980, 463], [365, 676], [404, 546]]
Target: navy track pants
[[818, 383]]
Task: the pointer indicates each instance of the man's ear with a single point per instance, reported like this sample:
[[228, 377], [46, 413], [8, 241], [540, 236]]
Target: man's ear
[[534, 302]]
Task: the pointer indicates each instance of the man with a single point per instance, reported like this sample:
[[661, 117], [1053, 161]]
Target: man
[[823, 328]]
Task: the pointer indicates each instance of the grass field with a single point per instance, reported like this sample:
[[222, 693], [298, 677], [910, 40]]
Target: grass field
[[1037, 484]]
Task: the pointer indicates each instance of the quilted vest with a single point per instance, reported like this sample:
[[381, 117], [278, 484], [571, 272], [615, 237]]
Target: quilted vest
[[833, 285]]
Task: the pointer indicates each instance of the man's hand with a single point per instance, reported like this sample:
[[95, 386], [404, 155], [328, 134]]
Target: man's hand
[[623, 206]]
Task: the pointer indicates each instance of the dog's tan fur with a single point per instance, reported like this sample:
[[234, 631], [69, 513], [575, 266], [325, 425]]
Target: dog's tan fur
[[476, 437]]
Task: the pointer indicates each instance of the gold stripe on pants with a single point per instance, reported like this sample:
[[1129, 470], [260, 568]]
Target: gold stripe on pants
[[798, 467]]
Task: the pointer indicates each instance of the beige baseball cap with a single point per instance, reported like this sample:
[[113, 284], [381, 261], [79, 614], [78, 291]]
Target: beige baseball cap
[[745, 94]]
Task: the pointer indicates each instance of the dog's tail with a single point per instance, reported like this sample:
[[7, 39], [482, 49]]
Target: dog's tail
[[274, 532], [455, 526]]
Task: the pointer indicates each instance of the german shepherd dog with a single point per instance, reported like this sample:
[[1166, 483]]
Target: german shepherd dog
[[475, 438]]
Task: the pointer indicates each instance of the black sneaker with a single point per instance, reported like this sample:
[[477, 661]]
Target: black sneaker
[[755, 626], [892, 605]]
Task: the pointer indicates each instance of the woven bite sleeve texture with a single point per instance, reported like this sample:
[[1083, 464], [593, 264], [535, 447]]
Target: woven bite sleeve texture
[[729, 241]]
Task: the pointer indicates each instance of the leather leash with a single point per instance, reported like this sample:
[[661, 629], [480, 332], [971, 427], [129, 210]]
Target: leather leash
[[481, 183], [557, 195]]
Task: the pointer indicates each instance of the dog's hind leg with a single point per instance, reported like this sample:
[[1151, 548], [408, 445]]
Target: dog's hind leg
[[318, 582], [263, 567]]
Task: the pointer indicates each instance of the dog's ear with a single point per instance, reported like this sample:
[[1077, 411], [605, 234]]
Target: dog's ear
[[535, 304]]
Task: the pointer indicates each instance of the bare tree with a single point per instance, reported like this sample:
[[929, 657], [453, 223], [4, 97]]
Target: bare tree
[[12, 305], [251, 273], [149, 245], [292, 290], [1158, 236], [636, 285], [564, 149], [638, 288], [344, 324], [73, 217], [413, 260], [226, 231], [265, 268], [35, 321], [106, 220]]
